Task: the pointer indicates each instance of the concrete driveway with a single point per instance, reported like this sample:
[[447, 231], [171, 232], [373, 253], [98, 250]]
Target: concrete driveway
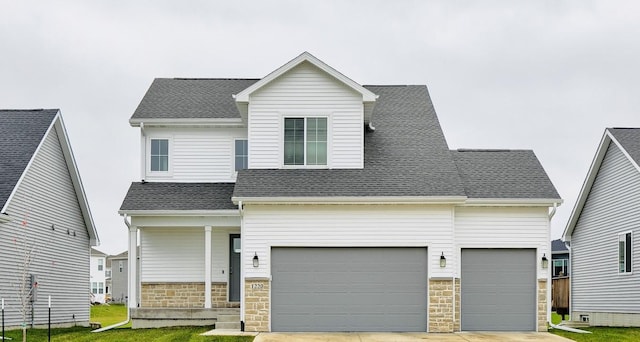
[[402, 337]]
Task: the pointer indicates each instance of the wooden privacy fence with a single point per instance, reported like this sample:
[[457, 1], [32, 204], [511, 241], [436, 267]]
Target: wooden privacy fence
[[560, 295]]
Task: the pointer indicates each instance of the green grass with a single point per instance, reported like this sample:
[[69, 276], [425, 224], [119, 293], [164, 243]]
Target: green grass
[[79, 334], [556, 319], [602, 334], [110, 314]]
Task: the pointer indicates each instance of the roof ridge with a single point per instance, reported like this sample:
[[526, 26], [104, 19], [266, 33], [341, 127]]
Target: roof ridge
[[623, 127], [27, 110], [212, 79]]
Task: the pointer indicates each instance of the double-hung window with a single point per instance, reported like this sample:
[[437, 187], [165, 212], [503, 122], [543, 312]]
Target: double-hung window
[[624, 252], [100, 264], [305, 141], [241, 154], [160, 155]]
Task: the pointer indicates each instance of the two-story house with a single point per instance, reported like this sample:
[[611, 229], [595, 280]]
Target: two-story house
[[98, 276], [304, 201]]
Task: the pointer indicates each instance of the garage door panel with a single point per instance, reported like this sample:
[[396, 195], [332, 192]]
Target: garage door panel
[[349, 289], [498, 289]]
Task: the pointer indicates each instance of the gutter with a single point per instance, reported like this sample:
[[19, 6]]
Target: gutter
[[128, 308], [553, 212], [4, 218]]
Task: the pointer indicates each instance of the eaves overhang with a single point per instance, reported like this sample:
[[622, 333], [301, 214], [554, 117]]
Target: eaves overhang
[[352, 200], [189, 122], [225, 212], [525, 202]]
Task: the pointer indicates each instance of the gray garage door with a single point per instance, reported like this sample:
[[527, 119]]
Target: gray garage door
[[349, 289], [498, 290]]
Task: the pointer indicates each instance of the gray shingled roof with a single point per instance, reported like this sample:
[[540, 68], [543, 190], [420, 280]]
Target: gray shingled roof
[[406, 155], [558, 246], [629, 138], [176, 98], [20, 134], [178, 196], [503, 174]]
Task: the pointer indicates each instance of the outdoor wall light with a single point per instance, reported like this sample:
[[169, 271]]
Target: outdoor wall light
[[256, 261], [545, 261], [443, 260]]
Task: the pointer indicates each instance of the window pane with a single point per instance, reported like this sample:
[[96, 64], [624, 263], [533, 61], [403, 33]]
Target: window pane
[[164, 147], [241, 156], [621, 256], [294, 141], [155, 147], [316, 141], [164, 163], [628, 252], [155, 163], [159, 155], [299, 153]]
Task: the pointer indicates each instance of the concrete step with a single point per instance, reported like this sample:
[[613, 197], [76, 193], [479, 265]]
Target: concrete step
[[229, 318], [228, 325]]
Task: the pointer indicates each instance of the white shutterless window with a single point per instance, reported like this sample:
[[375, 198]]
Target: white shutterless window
[[305, 141]]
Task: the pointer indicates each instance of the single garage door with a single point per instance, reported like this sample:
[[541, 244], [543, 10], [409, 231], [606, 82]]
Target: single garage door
[[498, 290], [349, 289]]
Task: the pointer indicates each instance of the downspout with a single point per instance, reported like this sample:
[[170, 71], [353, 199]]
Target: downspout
[[128, 309]]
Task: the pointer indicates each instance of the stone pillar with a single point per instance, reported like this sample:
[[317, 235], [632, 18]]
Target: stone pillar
[[133, 265], [207, 267], [444, 308], [542, 305], [256, 304]]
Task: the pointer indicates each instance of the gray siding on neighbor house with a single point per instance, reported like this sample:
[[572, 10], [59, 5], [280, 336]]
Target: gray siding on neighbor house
[[46, 198], [612, 207], [119, 289]]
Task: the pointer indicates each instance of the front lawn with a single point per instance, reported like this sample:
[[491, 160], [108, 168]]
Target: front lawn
[[602, 334], [111, 314]]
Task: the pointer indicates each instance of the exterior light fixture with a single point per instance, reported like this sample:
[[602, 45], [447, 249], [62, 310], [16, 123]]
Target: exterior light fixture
[[545, 261], [256, 261], [443, 260]]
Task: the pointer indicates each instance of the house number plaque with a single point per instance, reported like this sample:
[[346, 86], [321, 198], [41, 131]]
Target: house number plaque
[[257, 286]]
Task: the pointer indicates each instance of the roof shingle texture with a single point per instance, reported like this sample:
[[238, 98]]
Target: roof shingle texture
[[178, 196], [503, 174], [20, 134], [629, 138], [406, 155], [169, 98], [558, 246]]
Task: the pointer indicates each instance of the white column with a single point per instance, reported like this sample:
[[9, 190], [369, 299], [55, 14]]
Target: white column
[[207, 267], [133, 272]]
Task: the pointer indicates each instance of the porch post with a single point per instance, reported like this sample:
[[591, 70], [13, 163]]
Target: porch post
[[133, 272], [207, 267]]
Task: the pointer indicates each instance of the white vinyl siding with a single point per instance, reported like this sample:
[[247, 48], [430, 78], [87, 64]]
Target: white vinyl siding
[[197, 154], [306, 91], [177, 255], [45, 198], [612, 208], [267, 226], [504, 227]]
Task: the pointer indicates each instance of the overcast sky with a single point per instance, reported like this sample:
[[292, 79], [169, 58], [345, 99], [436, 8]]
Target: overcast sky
[[541, 75]]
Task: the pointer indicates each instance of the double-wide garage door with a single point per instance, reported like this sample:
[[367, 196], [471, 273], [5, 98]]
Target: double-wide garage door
[[498, 290], [349, 289]]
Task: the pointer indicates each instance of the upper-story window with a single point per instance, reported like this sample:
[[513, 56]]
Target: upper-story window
[[625, 251], [120, 266], [159, 154], [100, 264], [241, 154], [305, 141]]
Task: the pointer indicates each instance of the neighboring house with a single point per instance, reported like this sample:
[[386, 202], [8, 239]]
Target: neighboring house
[[119, 277], [304, 201], [602, 232], [98, 275], [41, 195], [559, 259]]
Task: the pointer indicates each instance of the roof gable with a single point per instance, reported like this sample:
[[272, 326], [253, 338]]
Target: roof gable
[[625, 139], [22, 133]]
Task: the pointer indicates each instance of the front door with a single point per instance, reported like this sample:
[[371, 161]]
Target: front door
[[234, 267]]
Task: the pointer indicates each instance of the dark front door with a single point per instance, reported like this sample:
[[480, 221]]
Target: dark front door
[[234, 267]]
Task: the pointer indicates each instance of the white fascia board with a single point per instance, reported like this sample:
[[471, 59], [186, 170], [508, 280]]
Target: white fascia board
[[76, 180], [541, 202], [367, 95], [586, 185], [352, 200], [202, 122], [227, 212]]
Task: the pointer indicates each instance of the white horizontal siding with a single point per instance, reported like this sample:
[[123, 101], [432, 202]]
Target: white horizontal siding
[[196, 154], [613, 207], [47, 197], [177, 254], [305, 90], [342, 226], [503, 227]]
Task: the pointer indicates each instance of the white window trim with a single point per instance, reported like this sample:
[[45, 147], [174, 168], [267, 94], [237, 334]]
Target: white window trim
[[159, 174], [284, 116], [233, 155], [618, 255]]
